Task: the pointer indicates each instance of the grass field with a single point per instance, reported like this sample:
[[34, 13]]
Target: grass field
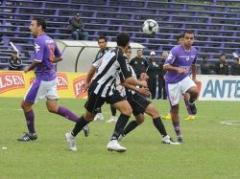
[[211, 150]]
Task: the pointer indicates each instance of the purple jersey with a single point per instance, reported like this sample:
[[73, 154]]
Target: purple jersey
[[179, 57], [45, 52]]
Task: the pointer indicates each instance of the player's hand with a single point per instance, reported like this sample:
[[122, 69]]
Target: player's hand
[[144, 91], [85, 86], [181, 70], [144, 76], [196, 81], [143, 83], [25, 70]]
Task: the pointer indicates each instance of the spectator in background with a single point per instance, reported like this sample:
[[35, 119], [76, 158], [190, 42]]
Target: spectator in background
[[235, 67], [162, 88], [221, 66], [206, 67], [15, 63], [77, 28], [153, 74], [139, 64]]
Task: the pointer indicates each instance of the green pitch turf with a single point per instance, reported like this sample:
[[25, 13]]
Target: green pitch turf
[[211, 150]]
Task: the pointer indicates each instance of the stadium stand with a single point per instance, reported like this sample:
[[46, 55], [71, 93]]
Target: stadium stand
[[216, 22]]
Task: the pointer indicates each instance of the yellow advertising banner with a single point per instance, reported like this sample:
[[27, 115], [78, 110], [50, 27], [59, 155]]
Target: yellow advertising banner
[[16, 83]]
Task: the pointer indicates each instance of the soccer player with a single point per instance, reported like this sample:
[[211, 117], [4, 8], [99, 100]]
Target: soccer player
[[191, 114], [102, 89], [180, 62], [45, 85], [141, 105], [102, 43]]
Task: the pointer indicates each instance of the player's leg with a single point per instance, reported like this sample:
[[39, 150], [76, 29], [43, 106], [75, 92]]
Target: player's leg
[[113, 118], [99, 116], [53, 107], [125, 113], [189, 87], [30, 117], [52, 104], [193, 92], [174, 96], [93, 104], [139, 119], [176, 122], [125, 109], [190, 116], [80, 124], [136, 102], [153, 112], [34, 92]]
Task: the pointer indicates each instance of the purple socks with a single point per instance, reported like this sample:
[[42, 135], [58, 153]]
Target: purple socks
[[30, 121], [62, 111]]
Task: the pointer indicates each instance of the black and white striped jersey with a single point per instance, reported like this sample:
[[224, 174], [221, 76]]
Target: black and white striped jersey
[[118, 83], [97, 61], [112, 63]]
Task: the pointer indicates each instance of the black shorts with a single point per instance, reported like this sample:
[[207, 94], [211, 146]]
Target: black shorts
[[138, 103], [95, 101]]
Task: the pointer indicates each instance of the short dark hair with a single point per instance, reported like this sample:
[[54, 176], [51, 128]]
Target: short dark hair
[[222, 54], [40, 22], [179, 37], [102, 37], [123, 39], [188, 32]]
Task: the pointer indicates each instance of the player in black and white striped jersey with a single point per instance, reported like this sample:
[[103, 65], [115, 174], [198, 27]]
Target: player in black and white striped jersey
[[102, 43], [141, 105], [99, 92]]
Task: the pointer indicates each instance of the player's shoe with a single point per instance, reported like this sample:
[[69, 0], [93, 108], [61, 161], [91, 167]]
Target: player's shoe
[[193, 108], [190, 118], [167, 140], [113, 119], [167, 117], [99, 116], [180, 139], [86, 130], [26, 137], [71, 141], [113, 145]]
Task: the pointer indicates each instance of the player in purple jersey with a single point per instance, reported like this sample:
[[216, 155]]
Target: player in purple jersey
[[45, 85], [179, 64], [191, 114]]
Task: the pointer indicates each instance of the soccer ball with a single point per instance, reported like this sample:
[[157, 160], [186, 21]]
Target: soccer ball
[[150, 26]]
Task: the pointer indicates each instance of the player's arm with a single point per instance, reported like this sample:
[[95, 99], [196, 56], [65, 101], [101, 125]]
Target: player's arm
[[194, 69], [168, 65], [95, 65], [194, 72], [144, 91], [57, 59], [57, 55], [90, 74], [38, 56], [32, 66], [127, 74]]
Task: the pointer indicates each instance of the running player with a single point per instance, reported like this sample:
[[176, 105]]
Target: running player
[[191, 114], [45, 84], [102, 89], [141, 105], [180, 62]]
